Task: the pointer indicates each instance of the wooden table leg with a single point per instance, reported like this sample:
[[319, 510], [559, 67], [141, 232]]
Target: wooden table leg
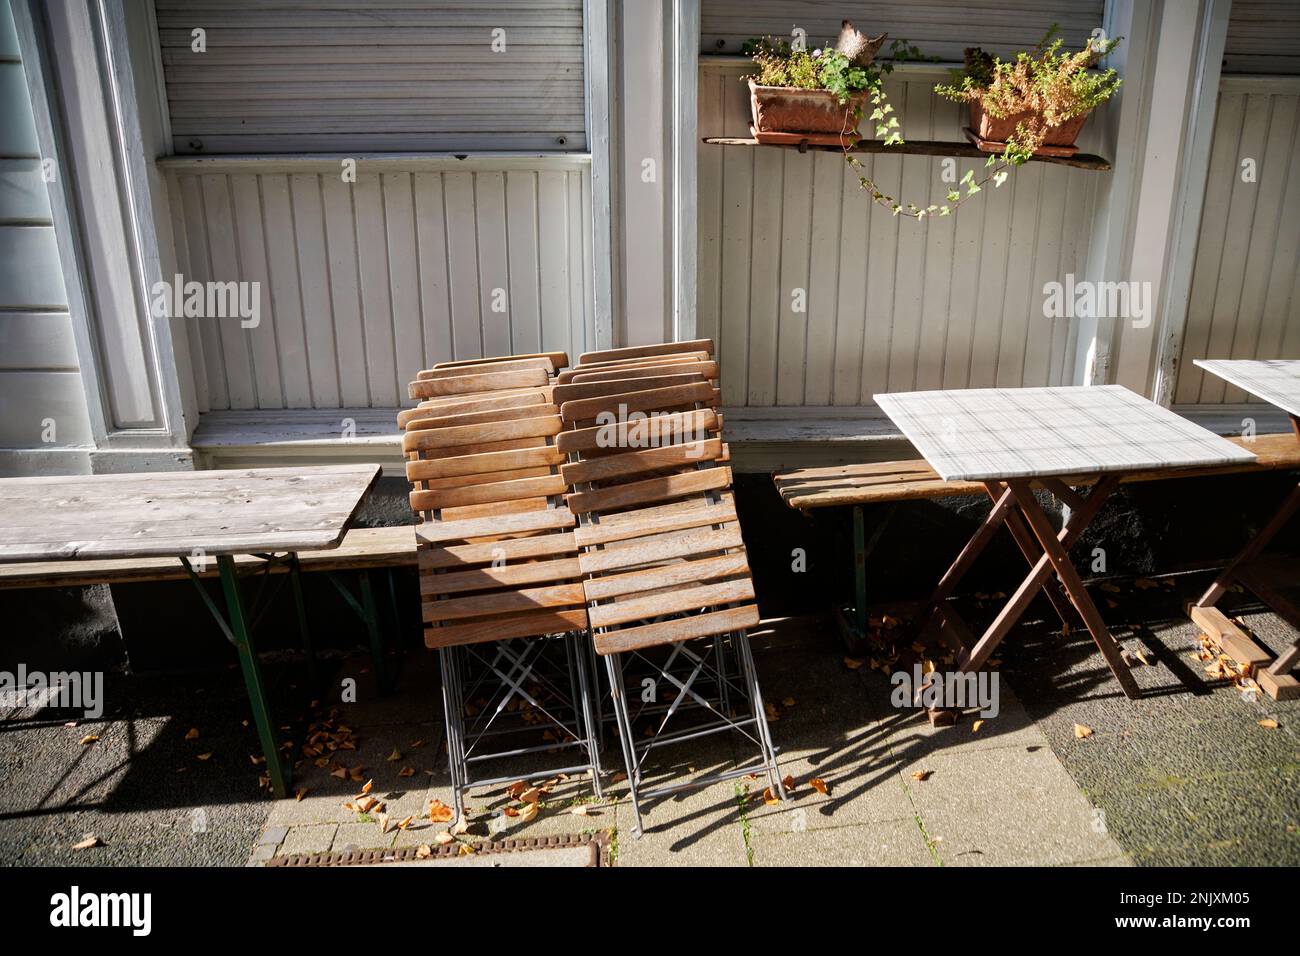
[[1002, 506], [1074, 587], [1031, 551], [1079, 519], [1276, 679]]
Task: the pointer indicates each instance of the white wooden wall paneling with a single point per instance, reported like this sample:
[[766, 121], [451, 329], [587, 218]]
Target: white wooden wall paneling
[[1245, 300], [892, 304], [364, 284]]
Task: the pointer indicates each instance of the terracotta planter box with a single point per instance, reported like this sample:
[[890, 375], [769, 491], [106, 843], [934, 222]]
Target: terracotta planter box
[[990, 133], [784, 114]]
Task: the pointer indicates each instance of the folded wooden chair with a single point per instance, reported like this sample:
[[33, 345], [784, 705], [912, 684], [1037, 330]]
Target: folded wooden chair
[[663, 561], [500, 584]]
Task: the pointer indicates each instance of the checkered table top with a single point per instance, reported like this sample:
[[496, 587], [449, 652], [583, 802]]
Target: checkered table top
[[1276, 381], [981, 434]]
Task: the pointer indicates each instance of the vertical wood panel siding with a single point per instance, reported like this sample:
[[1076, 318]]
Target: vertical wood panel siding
[[939, 28], [365, 284], [304, 76], [892, 304], [39, 375], [1263, 37], [1245, 300]]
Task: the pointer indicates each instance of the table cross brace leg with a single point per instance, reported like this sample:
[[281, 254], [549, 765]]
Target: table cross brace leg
[[1053, 558], [1276, 678]]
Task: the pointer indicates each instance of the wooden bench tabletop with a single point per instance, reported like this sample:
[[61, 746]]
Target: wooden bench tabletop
[[167, 514], [876, 482], [361, 548]]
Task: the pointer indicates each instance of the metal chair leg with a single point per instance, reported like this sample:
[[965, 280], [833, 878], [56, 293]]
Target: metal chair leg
[[618, 695]]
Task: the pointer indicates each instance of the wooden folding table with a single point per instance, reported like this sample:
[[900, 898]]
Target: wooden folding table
[[194, 516], [1016, 440], [1277, 382]]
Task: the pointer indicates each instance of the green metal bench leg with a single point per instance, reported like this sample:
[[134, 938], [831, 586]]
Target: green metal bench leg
[[280, 774]]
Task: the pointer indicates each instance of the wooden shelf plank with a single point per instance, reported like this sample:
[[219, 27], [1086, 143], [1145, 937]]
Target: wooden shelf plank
[[923, 148]]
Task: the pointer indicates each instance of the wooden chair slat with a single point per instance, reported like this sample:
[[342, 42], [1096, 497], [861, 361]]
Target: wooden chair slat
[[580, 390], [436, 532], [558, 360], [649, 490], [459, 466], [707, 370], [640, 351], [669, 575], [681, 629], [434, 558], [489, 416], [529, 624], [540, 487], [618, 368], [505, 602], [636, 524], [487, 433], [503, 365], [671, 602], [477, 382], [649, 400], [639, 462], [510, 575], [641, 433], [642, 551]]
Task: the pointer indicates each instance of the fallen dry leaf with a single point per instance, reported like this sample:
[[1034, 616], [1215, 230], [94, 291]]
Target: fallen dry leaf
[[395, 755], [90, 841], [922, 774], [853, 663], [787, 702], [192, 734], [341, 773], [406, 772], [300, 793], [770, 798], [405, 822], [206, 756], [532, 795], [423, 851], [439, 812], [443, 838], [515, 789], [579, 810], [1081, 731], [465, 850], [818, 784], [88, 739], [1268, 723], [788, 782], [370, 785], [383, 822], [415, 745], [975, 727], [527, 812]]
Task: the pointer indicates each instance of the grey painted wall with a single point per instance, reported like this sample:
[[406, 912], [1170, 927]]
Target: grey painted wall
[[39, 379]]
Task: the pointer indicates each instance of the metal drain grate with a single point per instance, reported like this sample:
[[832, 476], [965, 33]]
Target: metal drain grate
[[597, 844]]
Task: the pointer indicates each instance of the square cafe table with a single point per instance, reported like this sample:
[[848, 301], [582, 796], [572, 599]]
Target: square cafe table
[[1015, 439], [269, 513], [1276, 381]]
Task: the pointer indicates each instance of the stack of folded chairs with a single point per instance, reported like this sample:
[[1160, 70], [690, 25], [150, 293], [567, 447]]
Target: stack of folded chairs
[[500, 586], [627, 446]]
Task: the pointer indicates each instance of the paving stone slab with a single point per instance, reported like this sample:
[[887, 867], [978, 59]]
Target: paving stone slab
[[883, 843]]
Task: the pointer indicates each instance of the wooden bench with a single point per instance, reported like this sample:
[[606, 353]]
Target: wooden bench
[[890, 482], [362, 549]]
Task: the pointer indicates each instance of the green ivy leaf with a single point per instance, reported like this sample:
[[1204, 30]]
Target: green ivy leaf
[[953, 195]]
